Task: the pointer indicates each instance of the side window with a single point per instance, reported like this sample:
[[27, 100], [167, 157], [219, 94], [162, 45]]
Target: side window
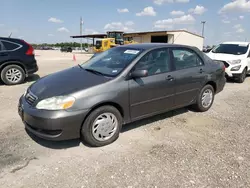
[[10, 46], [249, 53], [1, 46], [185, 58], [155, 62]]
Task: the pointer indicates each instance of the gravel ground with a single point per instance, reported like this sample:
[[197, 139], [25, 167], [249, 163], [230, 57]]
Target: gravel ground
[[177, 149]]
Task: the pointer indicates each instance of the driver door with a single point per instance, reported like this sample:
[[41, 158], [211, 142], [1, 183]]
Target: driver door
[[153, 94]]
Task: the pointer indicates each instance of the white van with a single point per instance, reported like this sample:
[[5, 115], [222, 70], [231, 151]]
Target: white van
[[236, 58]]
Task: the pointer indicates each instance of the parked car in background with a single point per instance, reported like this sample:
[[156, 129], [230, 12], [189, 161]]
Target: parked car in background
[[236, 58], [46, 48], [56, 48], [66, 49], [17, 60], [121, 85]]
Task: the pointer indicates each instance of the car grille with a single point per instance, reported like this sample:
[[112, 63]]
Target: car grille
[[30, 98]]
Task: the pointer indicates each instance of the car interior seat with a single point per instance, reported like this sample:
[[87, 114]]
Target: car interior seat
[[161, 64]]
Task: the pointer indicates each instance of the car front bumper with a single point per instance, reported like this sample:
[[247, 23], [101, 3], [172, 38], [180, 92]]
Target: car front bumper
[[51, 125], [230, 73]]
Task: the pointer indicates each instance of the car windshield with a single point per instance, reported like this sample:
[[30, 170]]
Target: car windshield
[[236, 49], [111, 62]]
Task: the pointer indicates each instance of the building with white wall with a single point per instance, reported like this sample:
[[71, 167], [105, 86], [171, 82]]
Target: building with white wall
[[174, 37]]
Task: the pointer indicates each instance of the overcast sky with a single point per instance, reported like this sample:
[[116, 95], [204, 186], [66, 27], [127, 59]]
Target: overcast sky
[[52, 21]]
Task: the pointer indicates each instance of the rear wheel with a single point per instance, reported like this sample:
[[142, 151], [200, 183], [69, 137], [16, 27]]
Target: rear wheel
[[102, 126], [243, 76], [12, 75], [205, 99]]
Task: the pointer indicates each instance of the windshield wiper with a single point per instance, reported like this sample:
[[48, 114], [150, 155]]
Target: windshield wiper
[[94, 71], [80, 66]]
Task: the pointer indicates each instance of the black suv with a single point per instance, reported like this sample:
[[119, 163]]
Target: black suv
[[66, 49], [17, 60]]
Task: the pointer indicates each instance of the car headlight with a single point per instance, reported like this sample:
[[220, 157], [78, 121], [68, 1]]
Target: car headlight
[[234, 62], [236, 68], [56, 103]]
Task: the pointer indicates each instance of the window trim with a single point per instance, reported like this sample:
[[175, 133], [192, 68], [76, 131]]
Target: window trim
[[20, 46], [2, 48], [169, 58], [186, 49]]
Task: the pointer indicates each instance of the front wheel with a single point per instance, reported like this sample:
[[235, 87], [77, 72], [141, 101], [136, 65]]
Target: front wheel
[[205, 99], [243, 76], [102, 126]]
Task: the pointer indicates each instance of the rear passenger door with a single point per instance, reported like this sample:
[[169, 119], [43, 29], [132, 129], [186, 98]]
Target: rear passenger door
[[189, 74], [7, 47]]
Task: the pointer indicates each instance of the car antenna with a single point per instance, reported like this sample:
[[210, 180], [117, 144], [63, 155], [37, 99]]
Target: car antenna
[[10, 34]]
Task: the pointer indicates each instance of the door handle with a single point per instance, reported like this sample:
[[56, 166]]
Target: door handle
[[170, 78], [201, 71]]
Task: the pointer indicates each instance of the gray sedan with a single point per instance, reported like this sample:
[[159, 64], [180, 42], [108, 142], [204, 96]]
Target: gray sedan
[[121, 85]]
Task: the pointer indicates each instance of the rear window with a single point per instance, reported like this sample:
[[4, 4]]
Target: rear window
[[10, 46], [235, 49]]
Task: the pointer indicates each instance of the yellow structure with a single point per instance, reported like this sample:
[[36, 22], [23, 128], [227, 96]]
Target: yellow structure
[[113, 39], [104, 44], [129, 40]]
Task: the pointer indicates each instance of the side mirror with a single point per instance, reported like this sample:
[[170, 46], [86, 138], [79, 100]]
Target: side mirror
[[139, 74]]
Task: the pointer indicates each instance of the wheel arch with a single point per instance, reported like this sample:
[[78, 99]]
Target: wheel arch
[[14, 62], [106, 103], [213, 84]]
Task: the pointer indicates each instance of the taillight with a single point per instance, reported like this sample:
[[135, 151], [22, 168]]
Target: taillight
[[30, 50]]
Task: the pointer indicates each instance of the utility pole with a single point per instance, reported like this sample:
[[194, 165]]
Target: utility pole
[[203, 26], [81, 23]]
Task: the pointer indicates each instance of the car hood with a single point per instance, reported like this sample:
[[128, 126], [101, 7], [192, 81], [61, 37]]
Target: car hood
[[66, 82], [224, 57]]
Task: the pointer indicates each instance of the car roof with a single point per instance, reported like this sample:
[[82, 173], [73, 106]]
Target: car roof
[[10, 39], [236, 42], [147, 46]]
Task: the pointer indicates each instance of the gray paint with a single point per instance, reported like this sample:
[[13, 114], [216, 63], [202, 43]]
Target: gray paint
[[137, 98]]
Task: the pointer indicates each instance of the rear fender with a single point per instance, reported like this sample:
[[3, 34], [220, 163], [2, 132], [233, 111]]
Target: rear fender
[[13, 62]]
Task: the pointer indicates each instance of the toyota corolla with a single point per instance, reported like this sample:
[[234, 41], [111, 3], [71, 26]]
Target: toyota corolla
[[121, 85]]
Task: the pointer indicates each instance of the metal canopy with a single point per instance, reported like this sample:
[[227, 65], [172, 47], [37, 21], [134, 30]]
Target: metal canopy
[[133, 33], [90, 36]]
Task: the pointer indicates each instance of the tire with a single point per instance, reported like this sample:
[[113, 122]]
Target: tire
[[243, 76], [199, 106], [88, 128], [15, 69]]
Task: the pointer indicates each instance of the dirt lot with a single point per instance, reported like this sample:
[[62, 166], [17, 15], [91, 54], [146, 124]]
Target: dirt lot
[[177, 149]]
